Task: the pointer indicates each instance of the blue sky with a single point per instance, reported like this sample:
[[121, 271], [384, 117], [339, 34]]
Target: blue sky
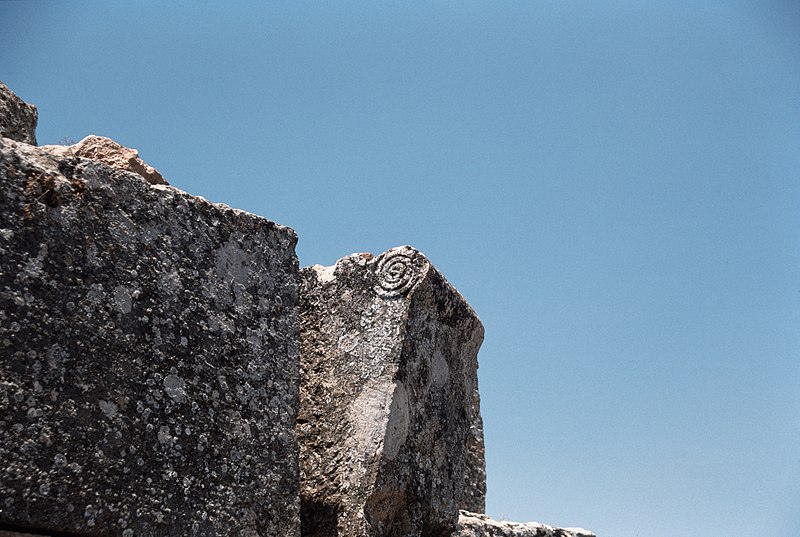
[[614, 187]]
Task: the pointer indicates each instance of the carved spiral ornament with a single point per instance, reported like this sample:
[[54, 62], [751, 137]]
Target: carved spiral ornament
[[398, 271]]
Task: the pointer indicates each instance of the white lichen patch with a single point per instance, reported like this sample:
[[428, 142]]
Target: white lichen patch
[[175, 386], [164, 436], [122, 298], [108, 408], [440, 371], [397, 425], [33, 267], [368, 416], [233, 263]]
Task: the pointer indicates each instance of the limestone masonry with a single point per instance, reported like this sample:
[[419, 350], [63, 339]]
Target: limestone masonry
[[388, 398], [166, 368]]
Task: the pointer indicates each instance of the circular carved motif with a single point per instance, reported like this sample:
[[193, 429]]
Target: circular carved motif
[[398, 271]]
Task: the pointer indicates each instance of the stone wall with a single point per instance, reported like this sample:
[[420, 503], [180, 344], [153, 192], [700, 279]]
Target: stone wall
[[156, 378]]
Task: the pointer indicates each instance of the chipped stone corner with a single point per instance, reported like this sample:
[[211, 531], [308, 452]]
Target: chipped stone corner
[[111, 153]]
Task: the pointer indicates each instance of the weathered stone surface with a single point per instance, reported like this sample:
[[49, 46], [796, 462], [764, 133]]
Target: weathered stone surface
[[148, 357], [474, 496], [388, 397], [109, 152], [475, 525], [17, 118]]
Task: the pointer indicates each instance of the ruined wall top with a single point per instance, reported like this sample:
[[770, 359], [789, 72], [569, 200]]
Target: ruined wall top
[[166, 368]]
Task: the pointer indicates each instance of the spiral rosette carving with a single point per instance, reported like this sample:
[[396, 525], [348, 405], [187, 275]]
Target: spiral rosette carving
[[398, 271]]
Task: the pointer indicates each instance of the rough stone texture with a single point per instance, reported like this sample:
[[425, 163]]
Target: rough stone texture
[[474, 496], [17, 118], [474, 525], [388, 397], [109, 152], [148, 357]]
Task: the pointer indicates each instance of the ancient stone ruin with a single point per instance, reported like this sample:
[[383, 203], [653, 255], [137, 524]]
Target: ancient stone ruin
[[166, 368], [388, 398]]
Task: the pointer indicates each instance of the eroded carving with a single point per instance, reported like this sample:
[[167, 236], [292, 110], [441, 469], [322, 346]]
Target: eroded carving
[[398, 270]]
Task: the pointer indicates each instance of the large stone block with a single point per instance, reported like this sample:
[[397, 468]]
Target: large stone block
[[475, 525], [17, 118], [389, 410], [148, 357]]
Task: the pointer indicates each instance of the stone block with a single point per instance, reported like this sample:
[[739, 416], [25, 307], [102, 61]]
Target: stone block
[[475, 525], [148, 357], [389, 411], [17, 118]]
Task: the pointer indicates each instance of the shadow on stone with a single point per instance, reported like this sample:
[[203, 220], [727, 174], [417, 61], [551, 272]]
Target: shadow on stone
[[318, 519], [7, 530], [387, 513]]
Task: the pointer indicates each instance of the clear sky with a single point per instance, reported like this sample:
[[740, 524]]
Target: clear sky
[[614, 186]]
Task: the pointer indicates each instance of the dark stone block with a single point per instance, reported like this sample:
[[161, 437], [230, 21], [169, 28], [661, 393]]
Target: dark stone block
[[148, 357], [17, 118]]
